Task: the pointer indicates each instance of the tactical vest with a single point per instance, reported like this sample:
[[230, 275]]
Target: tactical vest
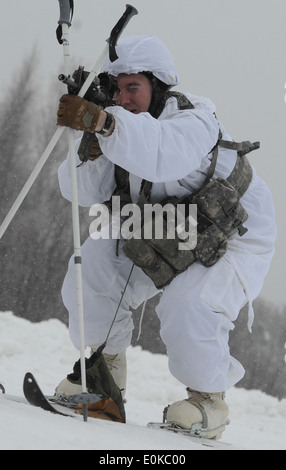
[[219, 215]]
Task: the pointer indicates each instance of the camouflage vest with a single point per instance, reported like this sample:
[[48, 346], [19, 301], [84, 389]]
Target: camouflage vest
[[219, 215]]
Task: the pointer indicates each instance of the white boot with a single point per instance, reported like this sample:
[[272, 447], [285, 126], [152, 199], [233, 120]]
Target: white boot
[[67, 388], [203, 413], [116, 364]]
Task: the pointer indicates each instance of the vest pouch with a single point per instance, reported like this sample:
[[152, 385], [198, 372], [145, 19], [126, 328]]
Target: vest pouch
[[169, 250], [151, 262], [160, 258], [218, 200], [211, 245]]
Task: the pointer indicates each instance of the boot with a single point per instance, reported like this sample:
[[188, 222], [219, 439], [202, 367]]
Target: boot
[[116, 364], [205, 414]]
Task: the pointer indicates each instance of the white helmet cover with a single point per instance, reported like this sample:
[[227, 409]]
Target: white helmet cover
[[143, 54]]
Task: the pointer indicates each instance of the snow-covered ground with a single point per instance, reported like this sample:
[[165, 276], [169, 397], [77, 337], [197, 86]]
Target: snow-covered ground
[[258, 421]]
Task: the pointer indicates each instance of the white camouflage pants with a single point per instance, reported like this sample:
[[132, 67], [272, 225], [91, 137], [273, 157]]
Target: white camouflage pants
[[196, 312]]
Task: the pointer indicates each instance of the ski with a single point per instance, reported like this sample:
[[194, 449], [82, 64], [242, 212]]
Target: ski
[[67, 407], [61, 405], [35, 397], [220, 445]]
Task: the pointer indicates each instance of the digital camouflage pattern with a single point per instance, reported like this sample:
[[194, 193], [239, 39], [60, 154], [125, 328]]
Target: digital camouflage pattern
[[219, 202], [220, 215], [150, 261], [211, 245]]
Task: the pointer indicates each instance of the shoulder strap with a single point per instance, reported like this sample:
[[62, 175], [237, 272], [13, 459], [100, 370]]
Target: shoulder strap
[[122, 186], [212, 166], [241, 175], [242, 147], [183, 101]]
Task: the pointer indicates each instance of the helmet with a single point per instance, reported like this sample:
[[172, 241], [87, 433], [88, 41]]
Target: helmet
[[143, 54]]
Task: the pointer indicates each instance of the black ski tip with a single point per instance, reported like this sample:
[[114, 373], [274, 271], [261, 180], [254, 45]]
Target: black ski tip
[[29, 380], [29, 377], [2, 389], [35, 396], [30, 388]]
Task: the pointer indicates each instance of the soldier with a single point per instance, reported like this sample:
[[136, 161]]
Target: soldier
[[168, 139]]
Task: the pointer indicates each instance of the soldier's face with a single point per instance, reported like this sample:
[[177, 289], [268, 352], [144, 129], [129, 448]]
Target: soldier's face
[[134, 92]]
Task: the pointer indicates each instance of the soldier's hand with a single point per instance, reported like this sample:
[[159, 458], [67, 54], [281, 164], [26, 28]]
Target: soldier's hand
[[78, 113]]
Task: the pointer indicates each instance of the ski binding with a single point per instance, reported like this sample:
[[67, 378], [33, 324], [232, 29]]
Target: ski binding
[[173, 427], [62, 405]]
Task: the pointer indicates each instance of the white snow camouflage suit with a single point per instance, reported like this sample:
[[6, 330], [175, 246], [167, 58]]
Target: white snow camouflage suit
[[198, 308]]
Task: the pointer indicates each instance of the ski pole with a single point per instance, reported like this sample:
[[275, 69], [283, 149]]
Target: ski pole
[[65, 23], [65, 9], [111, 43]]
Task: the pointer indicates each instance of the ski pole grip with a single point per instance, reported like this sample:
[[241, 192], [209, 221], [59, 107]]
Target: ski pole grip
[[117, 30], [66, 8]]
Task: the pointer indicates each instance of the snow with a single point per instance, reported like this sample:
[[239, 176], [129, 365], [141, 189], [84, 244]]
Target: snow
[[258, 421]]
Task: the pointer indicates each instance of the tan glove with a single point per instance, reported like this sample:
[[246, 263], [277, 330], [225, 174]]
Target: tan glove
[[78, 113]]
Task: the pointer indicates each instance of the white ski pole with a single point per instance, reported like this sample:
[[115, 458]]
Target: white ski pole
[[65, 24], [65, 7]]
